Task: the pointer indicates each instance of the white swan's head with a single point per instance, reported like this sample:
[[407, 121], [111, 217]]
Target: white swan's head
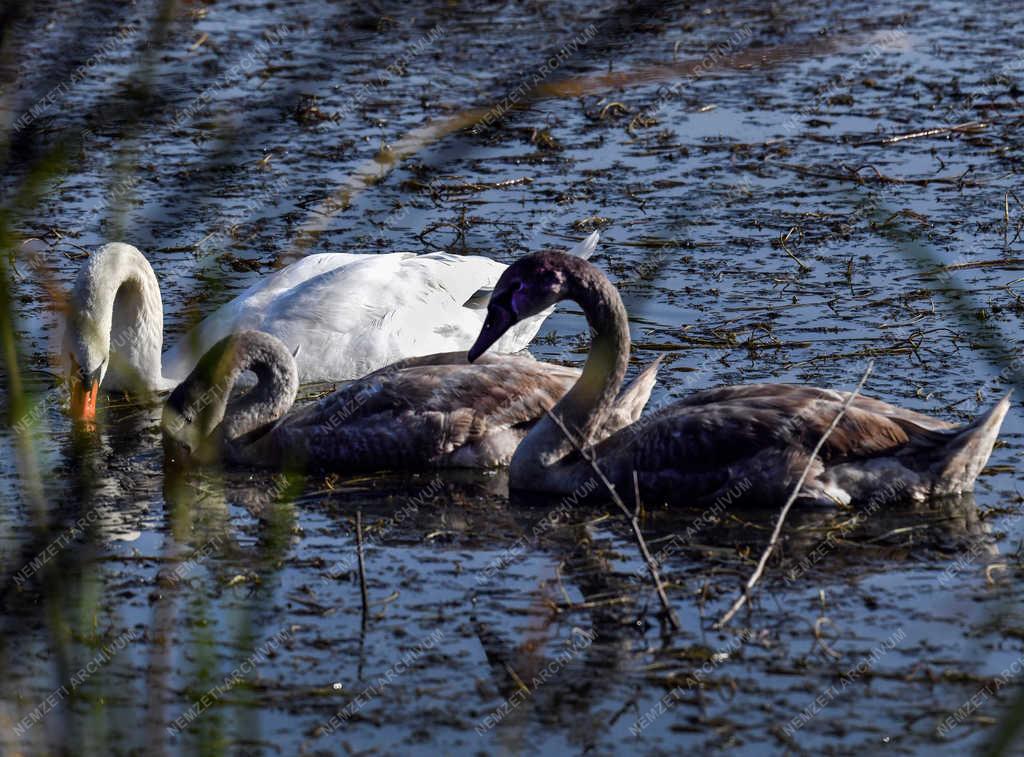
[[113, 329], [86, 352], [529, 286], [85, 348]]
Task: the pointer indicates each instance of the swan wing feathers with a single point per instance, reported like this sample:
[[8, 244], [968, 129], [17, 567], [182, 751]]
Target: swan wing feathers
[[587, 247], [733, 421], [248, 309], [503, 392], [348, 339], [354, 314], [303, 270], [462, 276], [761, 433], [350, 322], [349, 314], [427, 412]]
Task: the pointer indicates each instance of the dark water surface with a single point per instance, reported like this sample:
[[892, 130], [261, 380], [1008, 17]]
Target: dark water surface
[[217, 144]]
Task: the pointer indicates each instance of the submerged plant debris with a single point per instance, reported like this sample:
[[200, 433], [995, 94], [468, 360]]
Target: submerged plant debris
[[757, 171]]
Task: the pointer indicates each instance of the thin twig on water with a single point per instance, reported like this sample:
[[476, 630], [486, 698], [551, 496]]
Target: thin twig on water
[[633, 522], [362, 566], [971, 127], [773, 542]]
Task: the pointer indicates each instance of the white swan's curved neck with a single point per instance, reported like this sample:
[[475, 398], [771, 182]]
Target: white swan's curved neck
[[539, 458], [116, 319]]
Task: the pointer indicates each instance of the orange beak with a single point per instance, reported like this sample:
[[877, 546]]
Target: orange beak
[[83, 401], [83, 398]]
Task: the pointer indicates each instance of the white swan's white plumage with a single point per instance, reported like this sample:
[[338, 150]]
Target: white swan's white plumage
[[344, 315], [350, 317]]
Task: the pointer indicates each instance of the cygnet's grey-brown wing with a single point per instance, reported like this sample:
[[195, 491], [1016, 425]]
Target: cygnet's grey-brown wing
[[436, 412], [756, 439]]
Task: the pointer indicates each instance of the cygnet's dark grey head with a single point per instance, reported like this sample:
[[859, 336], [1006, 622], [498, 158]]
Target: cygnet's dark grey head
[[528, 286]]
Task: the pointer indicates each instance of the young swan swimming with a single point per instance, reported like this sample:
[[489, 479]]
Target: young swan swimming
[[758, 436], [433, 411]]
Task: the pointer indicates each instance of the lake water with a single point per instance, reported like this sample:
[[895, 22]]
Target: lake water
[[219, 612]]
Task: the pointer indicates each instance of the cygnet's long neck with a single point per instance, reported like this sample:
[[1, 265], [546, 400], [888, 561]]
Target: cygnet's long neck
[[585, 407], [202, 405], [277, 384]]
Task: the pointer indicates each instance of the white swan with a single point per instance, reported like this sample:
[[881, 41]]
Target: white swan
[[344, 314]]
